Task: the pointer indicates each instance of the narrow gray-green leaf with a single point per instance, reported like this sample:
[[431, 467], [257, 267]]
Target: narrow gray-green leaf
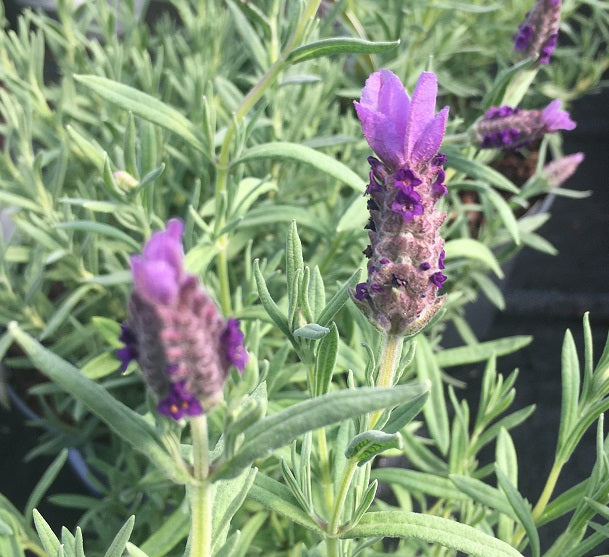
[[64, 310], [174, 529], [100, 229], [364, 504], [403, 415], [269, 304], [306, 155], [120, 540], [570, 389], [135, 551], [293, 258], [521, 508], [475, 169], [435, 412], [433, 530], [126, 423], [506, 456], [472, 249], [49, 540], [228, 498], [482, 351], [338, 300], [487, 495], [420, 482], [278, 498], [283, 427], [248, 35], [325, 361], [338, 45], [45, 482], [505, 213], [145, 106]]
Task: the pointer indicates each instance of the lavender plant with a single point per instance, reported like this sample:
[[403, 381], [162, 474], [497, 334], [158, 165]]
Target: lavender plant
[[200, 142]]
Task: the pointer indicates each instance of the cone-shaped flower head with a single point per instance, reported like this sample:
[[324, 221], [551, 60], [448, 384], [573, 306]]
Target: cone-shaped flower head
[[406, 252], [175, 331], [559, 171], [512, 128], [538, 34]]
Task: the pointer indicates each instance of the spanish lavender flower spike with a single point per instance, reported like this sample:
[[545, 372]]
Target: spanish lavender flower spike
[[406, 251], [559, 171], [538, 34], [504, 127], [175, 332]]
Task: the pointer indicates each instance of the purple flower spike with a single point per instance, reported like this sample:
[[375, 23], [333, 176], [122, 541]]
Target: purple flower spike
[[400, 295], [559, 171], [503, 129], [538, 34], [183, 346]]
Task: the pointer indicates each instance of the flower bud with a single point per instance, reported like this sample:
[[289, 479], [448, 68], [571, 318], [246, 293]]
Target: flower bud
[[504, 127], [538, 34], [175, 332], [559, 171]]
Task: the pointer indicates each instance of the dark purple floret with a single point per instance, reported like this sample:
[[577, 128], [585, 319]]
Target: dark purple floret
[[232, 339], [376, 287], [523, 37], [373, 186], [438, 279], [441, 259], [129, 351], [370, 225], [500, 112], [399, 281], [425, 266], [179, 403], [504, 139], [548, 48], [405, 180], [384, 261], [368, 251], [361, 291], [439, 159], [407, 204], [372, 205], [439, 189]]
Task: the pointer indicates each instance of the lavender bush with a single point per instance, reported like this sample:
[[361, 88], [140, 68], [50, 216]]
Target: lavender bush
[[184, 213]]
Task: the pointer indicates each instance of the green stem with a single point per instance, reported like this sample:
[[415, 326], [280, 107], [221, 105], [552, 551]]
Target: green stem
[[548, 489], [324, 464], [389, 360], [543, 501], [201, 494], [341, 496], [223, 164]]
